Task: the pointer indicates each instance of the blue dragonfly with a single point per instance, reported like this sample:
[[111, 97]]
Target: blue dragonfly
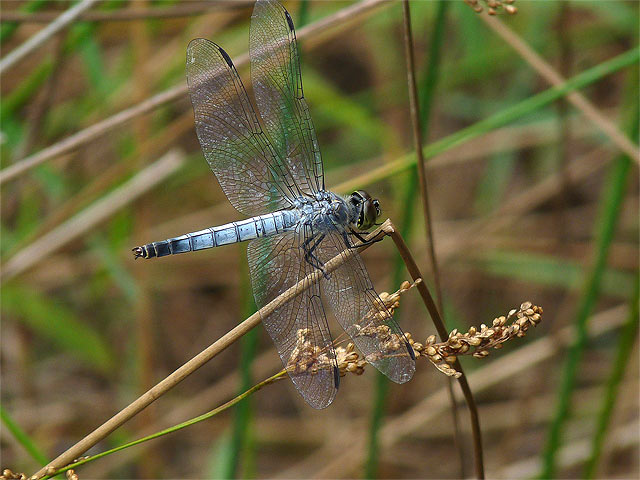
[[270, 168]]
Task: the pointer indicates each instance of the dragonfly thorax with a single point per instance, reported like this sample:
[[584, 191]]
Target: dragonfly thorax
[[326, 209]]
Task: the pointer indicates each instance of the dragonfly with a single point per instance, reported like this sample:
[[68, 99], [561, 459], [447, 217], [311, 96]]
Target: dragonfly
[[269, 167]]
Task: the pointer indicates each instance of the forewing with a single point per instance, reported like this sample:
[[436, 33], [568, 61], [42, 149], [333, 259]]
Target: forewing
[[277, 85], [299, 327], [232, 140], [362, 314]]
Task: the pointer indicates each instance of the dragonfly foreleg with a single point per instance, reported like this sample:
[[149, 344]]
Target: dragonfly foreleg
[[358, 235], [309, 257]]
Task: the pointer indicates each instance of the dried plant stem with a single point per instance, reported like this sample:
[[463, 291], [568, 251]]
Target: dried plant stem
[[414, 271], [92, 215], [554, 78], [417, 140], [424, 195], [348, 450], [88, 134], [124, 15], [203, 357], [500, 119], [45, 34], [215, 394], [205, 416]]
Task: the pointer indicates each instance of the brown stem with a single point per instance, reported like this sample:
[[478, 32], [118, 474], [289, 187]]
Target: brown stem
[[199, 360], [577, 99], [414, 271], [82, 137], [417, 140], [426, 209], [124, 15]]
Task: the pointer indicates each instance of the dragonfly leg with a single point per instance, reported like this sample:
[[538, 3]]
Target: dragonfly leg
[[310, 257], [358, 235]]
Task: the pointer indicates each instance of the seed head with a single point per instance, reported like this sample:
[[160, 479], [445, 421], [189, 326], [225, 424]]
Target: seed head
[[493, 6]]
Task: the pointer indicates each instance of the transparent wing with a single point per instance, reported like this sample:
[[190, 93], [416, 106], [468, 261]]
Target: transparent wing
[[299, 327], [277, 85], [362, 314], [232, 141]]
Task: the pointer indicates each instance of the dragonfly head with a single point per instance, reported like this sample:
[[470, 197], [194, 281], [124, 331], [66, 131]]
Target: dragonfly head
[[367, 209]]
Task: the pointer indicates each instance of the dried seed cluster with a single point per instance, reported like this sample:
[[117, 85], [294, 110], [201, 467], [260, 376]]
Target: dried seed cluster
[[72, 475], [493, 6], [307, 357], [478, 342], [9, 475]]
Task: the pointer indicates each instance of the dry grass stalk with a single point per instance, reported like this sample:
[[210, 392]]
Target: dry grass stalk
[[307, 357], [342, 18], [44, 35], [207, 354], [577, 99], [493, 6], [417, 128]]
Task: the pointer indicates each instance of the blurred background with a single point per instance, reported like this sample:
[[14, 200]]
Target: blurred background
[[99, 154]]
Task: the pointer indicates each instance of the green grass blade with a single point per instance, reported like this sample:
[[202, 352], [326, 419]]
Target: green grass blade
[[426, 98], [175, 428], [58, 324], [221, 451], [500, 119], [611, 206], [239, 452], [623, 353], [26, 89], [22, 438], [551, 271]]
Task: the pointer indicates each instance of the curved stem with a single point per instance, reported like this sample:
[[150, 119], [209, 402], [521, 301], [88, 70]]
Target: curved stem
[[414, 271]]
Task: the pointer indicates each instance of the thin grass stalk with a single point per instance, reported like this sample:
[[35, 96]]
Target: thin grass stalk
[[417, 140], [203, 357], [419, 125], [214, 394], [414, 271], [127, 15], [500, 119], [61, 22], [240, 428], [347, 14], [91, 216], [494, 374], [607, 220], [554, 78], [627, 339], [430, 79], [281, 374]]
